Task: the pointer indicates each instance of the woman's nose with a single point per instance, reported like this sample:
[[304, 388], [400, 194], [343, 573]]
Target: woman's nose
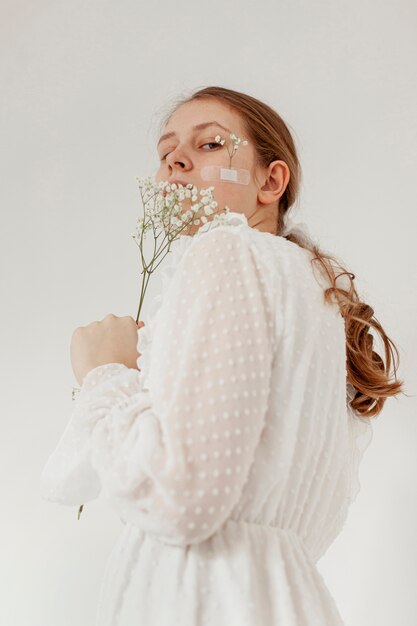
[[180, 163], [177, 157]]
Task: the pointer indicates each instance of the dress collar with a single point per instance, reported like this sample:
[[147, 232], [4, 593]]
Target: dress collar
[[232, 218]]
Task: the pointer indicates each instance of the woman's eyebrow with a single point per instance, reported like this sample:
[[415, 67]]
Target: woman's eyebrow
[[198, 127]]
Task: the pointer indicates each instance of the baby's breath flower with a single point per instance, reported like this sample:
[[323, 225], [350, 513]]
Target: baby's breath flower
[[166, 218], [235, 141], [163, 214]]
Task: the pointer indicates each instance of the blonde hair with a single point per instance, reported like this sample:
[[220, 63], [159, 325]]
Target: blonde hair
[[272, 139]]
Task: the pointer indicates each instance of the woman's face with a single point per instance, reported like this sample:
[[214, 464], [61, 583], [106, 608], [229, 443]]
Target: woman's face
[[183, 155]]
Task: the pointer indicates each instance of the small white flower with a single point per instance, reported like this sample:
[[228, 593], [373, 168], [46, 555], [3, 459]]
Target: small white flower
[[163, 211]]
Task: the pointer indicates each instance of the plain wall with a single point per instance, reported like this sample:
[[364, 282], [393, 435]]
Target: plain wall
[[83, 87]]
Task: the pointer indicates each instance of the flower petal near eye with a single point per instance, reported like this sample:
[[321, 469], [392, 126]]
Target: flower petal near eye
[[219, 139]]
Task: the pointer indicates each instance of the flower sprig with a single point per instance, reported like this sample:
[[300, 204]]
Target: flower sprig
[[235, 141], [164, 216]]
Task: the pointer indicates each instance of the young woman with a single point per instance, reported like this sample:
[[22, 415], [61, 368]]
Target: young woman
[[231, 453]]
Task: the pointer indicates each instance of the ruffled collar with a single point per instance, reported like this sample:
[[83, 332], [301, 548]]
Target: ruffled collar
[[231, 218], [167, 268]]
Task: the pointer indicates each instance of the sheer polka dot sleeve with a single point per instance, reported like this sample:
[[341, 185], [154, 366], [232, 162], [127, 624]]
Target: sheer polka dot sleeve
[[173, 459]]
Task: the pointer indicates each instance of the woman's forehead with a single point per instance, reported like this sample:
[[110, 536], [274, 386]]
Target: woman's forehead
[[195, 113]]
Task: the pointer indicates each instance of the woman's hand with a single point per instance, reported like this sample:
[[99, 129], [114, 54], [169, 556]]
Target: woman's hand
[[113, 340]]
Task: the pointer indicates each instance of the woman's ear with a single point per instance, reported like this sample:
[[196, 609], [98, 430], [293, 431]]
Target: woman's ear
[[277, 177]]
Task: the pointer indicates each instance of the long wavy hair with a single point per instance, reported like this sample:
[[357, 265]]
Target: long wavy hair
[[272, 139]]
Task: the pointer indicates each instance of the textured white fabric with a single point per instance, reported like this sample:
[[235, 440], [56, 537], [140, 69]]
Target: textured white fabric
[[232, 456]]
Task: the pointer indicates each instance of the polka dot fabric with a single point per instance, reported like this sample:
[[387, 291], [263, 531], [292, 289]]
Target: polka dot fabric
[[231, 456]]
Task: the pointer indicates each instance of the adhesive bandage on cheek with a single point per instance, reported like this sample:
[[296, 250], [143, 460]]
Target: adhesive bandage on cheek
[[227, 174]]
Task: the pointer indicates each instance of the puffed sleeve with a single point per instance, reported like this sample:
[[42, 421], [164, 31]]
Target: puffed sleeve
[[173, 459]]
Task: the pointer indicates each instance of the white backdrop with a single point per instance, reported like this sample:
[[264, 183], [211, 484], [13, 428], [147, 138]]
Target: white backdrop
[[83, 87]]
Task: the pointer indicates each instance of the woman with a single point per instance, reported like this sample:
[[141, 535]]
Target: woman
[[231, 454]]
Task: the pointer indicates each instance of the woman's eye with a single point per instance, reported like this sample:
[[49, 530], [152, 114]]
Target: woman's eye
[[209, 143]]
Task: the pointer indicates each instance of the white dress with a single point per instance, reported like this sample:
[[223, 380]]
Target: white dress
[[232, 456]]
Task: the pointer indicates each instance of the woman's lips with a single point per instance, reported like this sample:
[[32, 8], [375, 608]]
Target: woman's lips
[[178, 182]]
